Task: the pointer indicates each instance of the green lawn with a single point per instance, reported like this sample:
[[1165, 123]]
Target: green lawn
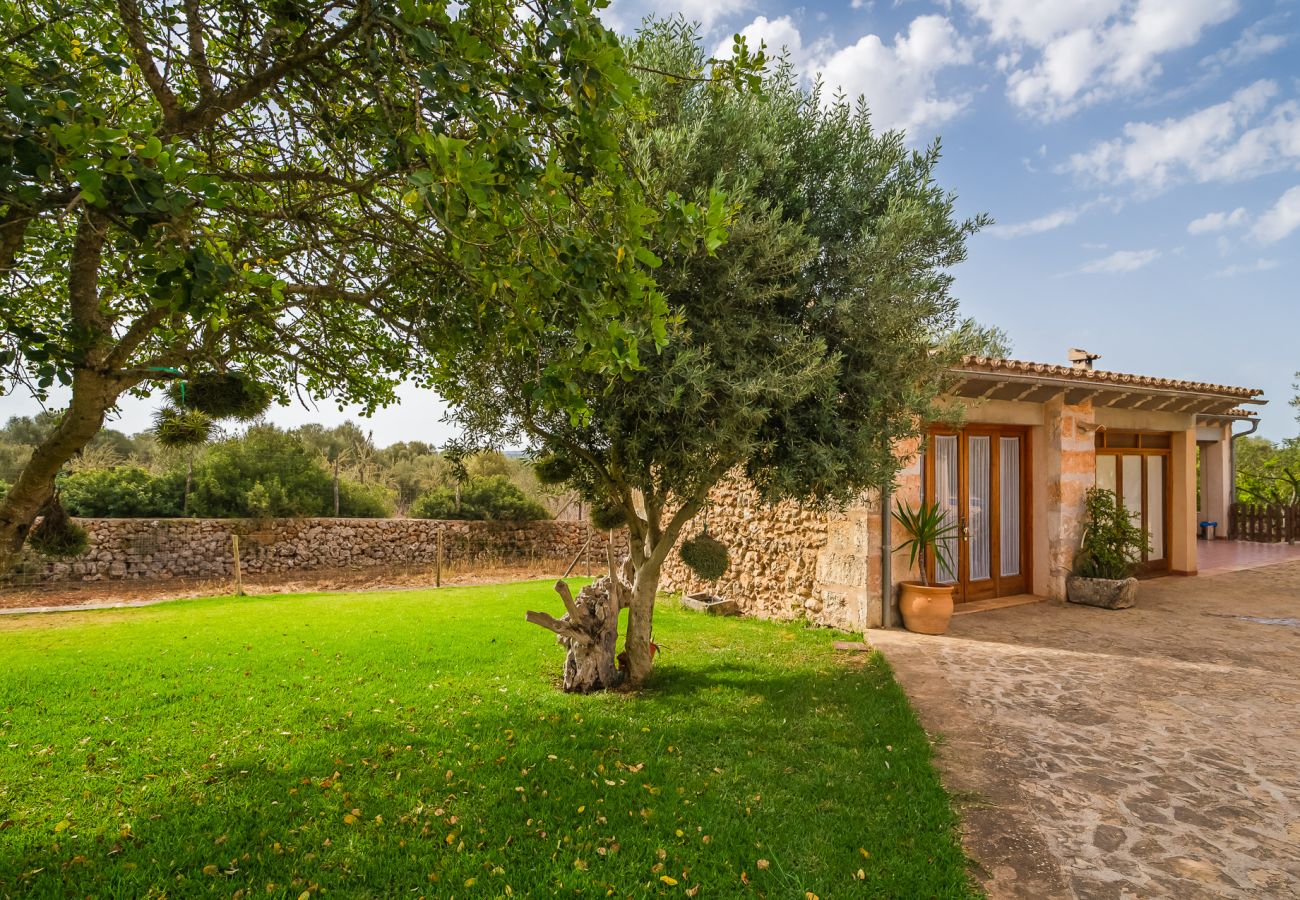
[[415, 744]]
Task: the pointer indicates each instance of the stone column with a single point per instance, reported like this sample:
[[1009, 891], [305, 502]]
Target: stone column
[[909, 488], [844, 568], [1070, 463], [1182, 522], [1216, 482]]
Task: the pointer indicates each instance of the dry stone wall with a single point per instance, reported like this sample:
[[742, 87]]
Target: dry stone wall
[[788, 562], [201, 548]]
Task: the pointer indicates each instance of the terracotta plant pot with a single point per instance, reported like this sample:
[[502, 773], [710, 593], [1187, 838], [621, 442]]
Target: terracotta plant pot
[[926, 609], [1103, 592]]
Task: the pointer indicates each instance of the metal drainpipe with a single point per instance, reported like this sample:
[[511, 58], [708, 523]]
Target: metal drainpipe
[[886, 561], [1232, 463]]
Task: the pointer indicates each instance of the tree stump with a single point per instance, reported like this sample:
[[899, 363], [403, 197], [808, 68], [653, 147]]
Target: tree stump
[[589, 632]]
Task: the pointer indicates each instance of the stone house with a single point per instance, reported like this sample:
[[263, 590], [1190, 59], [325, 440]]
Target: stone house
[[1034, 437]]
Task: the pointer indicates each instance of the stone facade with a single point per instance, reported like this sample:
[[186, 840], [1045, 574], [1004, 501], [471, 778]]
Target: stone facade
[[1070, 470], [788, 562], [201, 548]]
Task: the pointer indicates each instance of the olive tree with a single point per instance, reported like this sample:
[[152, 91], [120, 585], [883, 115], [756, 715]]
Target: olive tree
[[799, 353]]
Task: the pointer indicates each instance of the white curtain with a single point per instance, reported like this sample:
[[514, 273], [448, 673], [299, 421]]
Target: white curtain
[[1009, 459], [980, 497], [945, 494]]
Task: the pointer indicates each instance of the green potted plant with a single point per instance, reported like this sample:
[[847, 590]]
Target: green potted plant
[[926, 607], [1108, 555]]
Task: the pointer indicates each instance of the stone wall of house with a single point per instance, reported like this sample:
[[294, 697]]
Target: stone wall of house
[[202, 548], [788, 562]]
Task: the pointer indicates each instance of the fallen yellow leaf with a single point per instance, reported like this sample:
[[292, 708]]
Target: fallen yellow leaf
[[668, 880]]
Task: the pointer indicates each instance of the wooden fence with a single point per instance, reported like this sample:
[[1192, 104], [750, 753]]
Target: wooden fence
[[1266, 522]]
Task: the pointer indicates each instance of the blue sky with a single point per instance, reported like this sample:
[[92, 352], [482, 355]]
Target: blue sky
[[1141, 158]]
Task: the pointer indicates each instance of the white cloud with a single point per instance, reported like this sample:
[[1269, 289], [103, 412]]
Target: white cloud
[[626, 15], [1050, 222], [1067, 54], [781, 36], [1229, 141], [899, 81], [1058, 218], [1120, 261], [1217, 221], [1259, 265], [1254, 43], [1279, 221]]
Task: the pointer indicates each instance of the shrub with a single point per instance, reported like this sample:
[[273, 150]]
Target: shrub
[[551, 468], [122, 492], [706, 556], [1112, 543], [222, 395], [364, 501], [495, 497], [265, 473], [55, 535], [607, 516]]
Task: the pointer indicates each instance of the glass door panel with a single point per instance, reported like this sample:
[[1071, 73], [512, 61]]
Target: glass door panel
[[1009, 508], [1106, 472], [980, 537], [1156, 506], [947, 495], [1131, 474]]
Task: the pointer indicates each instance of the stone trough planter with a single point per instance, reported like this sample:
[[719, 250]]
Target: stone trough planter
[[1102, 592], [711, 604]]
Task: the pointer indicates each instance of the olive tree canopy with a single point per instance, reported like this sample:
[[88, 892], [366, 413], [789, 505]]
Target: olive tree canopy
[[798, 355]]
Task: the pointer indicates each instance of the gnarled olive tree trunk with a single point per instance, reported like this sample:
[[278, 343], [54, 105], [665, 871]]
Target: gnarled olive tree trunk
[[93, 395], [589, 632], [589, 629]]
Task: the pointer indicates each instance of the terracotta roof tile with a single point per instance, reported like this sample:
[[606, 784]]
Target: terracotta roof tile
[[1100, 376]]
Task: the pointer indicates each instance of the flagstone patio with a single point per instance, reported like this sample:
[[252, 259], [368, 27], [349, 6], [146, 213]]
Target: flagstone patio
[[1149, 752]]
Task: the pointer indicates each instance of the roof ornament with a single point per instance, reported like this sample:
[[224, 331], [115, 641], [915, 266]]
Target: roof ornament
[[1082, 359]]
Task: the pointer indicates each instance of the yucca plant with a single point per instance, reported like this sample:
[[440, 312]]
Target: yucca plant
[[928, 529]]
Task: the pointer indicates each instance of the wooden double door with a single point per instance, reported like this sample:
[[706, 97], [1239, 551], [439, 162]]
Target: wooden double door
[[979, 476]]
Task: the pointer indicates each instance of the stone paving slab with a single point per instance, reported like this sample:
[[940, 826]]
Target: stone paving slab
[[1148, 752]]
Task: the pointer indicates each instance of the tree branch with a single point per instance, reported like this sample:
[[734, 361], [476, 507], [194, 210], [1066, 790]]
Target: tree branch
[[13, 232], [129, 10], [563, 629], [577, 614], [198, 54], [234, 97]]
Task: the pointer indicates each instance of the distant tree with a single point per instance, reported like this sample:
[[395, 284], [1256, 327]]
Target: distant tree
[[1295, 400], [492, 497], [800, 354], [1267, 472], [337, 446], [298, 190]]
